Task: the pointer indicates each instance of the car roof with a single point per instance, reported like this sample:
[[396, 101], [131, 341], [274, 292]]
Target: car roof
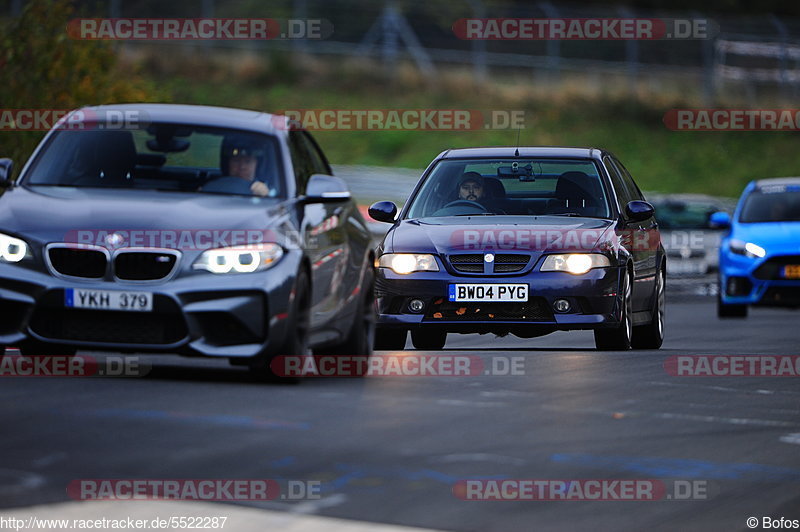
[[777, 181], [199, 115], [524, 151]]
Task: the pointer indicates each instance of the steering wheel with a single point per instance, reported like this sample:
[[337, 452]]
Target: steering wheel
[[466, 203]]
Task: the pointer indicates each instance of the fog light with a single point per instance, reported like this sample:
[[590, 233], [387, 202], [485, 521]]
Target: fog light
[[561, 305], [416, 305]]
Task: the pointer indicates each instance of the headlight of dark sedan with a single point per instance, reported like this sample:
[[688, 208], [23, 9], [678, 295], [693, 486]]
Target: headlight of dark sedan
[[575, 263], [403, 263], [13, 249], [239, 259]]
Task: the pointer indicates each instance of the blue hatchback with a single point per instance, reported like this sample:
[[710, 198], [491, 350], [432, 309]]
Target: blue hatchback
[[759, 259]]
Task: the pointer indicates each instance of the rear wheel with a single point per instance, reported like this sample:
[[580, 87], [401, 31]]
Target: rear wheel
[[651, 336], [428, 339], [725, 310], [296, 343], [619, 338], [390, 339]]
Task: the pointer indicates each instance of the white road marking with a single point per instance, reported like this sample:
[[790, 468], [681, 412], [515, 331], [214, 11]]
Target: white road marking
[[791, 438]]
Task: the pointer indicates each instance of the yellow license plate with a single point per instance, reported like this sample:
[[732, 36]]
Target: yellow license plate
[[792, 271]]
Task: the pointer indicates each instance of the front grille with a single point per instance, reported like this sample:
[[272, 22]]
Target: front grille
[[76, 262], [144, 265], [84, 325], [535, 309], [467, 263], [503, 263], [772, 269]]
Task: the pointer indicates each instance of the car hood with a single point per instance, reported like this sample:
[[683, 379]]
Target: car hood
[[775, 237], [55, 214], [477, 234]]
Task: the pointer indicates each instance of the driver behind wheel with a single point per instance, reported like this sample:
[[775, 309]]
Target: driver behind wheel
[[470, 187], [240, 161]]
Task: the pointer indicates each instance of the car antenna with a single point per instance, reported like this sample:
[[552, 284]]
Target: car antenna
[[516, 151]]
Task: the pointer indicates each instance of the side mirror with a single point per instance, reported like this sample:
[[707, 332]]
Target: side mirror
[[719, 220], [383, 211], [6, 165], [639, 210], [325, 189]]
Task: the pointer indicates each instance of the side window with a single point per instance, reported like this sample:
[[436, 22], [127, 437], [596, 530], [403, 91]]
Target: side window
[[318, 160], [623, 196], [301, 160], [633, 189]]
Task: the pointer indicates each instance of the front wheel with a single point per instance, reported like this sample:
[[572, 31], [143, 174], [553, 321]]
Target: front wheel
[[428, 340], [619, 338], [725, 310], [651, 336], [296, 343]]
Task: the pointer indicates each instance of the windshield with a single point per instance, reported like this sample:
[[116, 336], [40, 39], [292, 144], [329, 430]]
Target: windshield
[[163, 157], [513, 186], [676, 214], [774, 204]]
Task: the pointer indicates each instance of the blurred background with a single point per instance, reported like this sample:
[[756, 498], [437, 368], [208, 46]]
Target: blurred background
[[403, 54]]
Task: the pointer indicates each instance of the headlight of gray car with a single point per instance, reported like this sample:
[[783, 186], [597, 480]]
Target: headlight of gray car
[[239, 259], [12, 249]]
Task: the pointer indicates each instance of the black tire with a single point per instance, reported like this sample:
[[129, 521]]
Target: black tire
[[730, 311], [361, 338], [387, 339], [651, 336], [296, 342], [619, 338], [428, 339]]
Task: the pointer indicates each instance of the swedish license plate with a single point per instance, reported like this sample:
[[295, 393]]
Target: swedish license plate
[[488, 292], [108, 300], [791, 271]]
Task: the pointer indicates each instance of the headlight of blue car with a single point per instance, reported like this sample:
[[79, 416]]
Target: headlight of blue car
[[403, 263], [575, 263], [239, 259], [748, 249]]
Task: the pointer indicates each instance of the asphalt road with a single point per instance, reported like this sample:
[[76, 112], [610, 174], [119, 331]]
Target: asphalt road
[[390, 449]]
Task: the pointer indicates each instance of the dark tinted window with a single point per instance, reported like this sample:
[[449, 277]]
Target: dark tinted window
[[774, 204], [623, 194], [633, 190], [318, 160]]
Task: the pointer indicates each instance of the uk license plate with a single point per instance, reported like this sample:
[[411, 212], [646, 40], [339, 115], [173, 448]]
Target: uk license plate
[[488, 292], [108, 300]]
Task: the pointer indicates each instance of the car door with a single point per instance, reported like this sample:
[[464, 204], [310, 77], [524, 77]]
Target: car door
[[325, 237], [644, 240]]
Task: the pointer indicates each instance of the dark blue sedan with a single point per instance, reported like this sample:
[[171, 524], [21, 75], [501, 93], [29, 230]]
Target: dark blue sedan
[[525, 241]]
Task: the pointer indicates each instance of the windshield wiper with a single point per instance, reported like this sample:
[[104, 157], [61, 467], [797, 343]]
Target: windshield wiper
[[478, 214]]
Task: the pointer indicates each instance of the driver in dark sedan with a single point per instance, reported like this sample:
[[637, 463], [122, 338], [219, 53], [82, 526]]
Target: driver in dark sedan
[[242, 162], [470, 187]]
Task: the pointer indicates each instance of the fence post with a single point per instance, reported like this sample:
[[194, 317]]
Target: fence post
[[784, 61], [115, 9], [631, 53], [478, 45], [300, 12], [553, 45]]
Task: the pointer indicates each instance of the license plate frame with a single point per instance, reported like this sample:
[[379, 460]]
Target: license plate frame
[[111, 300], [500, 292]]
